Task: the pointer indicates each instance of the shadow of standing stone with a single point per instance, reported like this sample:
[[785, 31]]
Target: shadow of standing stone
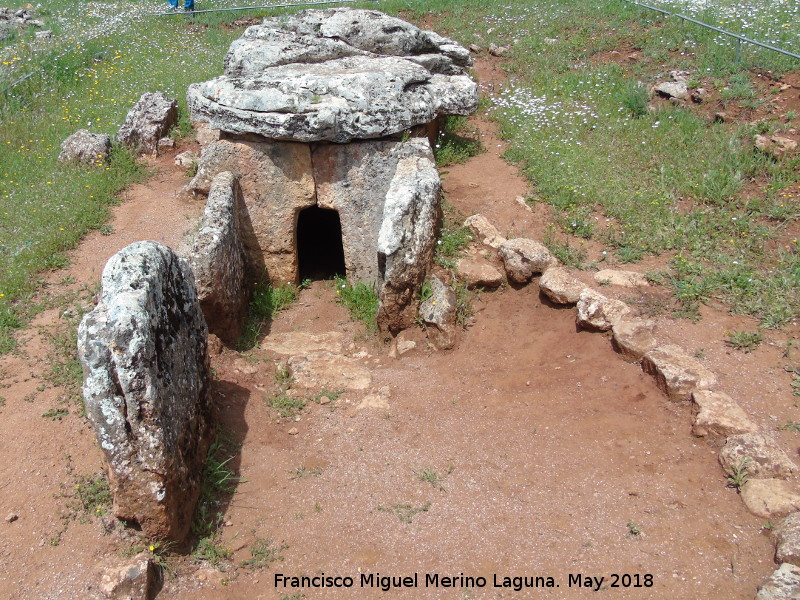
[[146, 378]]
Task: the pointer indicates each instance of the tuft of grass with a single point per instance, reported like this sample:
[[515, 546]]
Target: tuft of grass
[[263, 554], [453, 237], [634, 98], [634, 529], [465, 302], [406, 511], [457, 142], [746, 341], [286, 406], [219, 483], [789, 426], [360, 299], [431, 476], [265, 303], [571, 256], [55, 414]]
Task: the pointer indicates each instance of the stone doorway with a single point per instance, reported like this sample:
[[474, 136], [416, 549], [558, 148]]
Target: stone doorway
[[320, 253]]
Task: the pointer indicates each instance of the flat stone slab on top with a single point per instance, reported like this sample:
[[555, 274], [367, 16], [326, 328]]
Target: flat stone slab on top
[[335, 75]]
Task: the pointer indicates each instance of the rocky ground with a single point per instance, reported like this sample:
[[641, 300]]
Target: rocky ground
[[531, 449]]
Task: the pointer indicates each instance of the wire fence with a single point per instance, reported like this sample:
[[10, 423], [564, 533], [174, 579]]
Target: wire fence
[[739, 38]]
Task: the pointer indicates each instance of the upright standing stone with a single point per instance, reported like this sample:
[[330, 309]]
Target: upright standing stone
[[218, 259], [146, 379]]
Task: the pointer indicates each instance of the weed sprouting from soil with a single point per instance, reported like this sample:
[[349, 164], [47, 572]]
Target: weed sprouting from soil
[[265, 303], [406, 511], [263, 553], [746, 341], [360, 299], [457, 142]]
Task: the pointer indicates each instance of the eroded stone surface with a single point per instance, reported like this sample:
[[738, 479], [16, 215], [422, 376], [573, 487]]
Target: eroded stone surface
[[276, 180], [560, 286], [783, 584], [85, 148], [335, 75], [146, 377], [479, 273], [596, 311], [218, 259], [717, 415], [148, 121], [672, 89], [621, 278], [787, 536], [407, 235], [771, 498], [633, 337], [354, 179], [677, 374], [326, 370], [756, 454], [301, 342], [135, 579], [439, 315], [523, 258], [484, 231]]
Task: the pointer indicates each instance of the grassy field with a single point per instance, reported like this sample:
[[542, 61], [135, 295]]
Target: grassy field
[[580, 129]]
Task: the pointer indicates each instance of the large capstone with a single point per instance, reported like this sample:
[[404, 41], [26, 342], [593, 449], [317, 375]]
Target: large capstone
[[335, 75], [146, 387]]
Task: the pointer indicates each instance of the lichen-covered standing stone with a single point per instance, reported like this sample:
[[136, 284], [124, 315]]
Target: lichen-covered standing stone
[[146, 381]]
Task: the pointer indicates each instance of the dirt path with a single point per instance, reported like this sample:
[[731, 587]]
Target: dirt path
[[552, 452]]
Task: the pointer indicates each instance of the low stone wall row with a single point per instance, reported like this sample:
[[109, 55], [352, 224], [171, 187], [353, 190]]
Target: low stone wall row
[[770, 489]]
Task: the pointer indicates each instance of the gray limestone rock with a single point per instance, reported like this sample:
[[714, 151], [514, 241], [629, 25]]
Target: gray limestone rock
[[353, 179], [672, 89], [335, 75], [595, 311], [439, 315], [677, 374], [558, 284], [146, 376], [523, 258], [783, 584], [787, 536], [85, 148], [621, 278], [218, 259], [148, 121], [411, 216], [756, 454]]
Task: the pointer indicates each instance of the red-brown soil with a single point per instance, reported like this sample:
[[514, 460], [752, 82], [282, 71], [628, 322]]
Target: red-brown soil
[[552, 449]]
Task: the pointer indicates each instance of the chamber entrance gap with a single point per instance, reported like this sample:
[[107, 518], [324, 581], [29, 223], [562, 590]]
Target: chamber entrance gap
[[320, 254]]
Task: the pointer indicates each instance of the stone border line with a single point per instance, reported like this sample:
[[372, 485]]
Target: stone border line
[[753, 461]]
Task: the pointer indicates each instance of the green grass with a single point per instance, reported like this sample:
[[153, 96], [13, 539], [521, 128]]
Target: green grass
[[263, 554], [360, 299], [219, 482], [457, 142], [286, 406], [406, 511], [265, 303], [746, 341], [453, 237], [580, 130]]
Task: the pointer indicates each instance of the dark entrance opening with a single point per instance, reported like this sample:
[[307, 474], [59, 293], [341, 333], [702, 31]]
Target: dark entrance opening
[[320, 254]]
